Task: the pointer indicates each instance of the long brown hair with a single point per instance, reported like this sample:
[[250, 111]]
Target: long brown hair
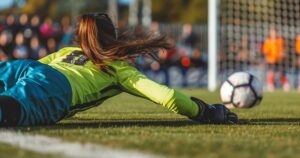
[[97, 36]]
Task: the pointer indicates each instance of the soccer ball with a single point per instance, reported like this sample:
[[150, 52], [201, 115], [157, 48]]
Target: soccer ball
[[241, 90]]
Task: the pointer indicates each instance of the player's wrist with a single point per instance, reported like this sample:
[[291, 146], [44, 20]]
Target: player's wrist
[[203, 112]]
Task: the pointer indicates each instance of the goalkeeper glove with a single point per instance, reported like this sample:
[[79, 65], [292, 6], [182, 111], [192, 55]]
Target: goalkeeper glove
[[214, 113]]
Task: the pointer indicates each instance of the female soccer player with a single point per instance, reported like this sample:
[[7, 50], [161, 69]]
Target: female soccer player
[[78, 78]]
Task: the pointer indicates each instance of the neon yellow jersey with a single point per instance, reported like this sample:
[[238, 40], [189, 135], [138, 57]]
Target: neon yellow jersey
[[91, 86]]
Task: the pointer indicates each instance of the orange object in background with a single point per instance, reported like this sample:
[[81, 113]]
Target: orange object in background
[[185, 61], [273, 50], [297, 45]]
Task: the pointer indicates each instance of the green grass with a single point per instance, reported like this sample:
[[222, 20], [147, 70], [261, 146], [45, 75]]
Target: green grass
[[8, 151], [271, 129]]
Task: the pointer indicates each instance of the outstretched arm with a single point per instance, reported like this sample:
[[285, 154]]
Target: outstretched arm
[[136, 83]]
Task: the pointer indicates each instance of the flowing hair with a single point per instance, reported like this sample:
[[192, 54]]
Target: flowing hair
[[97, 36]]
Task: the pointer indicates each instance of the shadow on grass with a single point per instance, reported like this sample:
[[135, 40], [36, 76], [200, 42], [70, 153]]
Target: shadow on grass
[[80, 123], [272, 121], [123, 123], [108, 123]]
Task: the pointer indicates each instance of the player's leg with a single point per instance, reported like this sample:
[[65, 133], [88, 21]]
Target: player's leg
[[271, 77], [44, 95], [10, 111], [298, 80], [2, 85], [298, 71], [7, 75], [11, 72], [283, 78]]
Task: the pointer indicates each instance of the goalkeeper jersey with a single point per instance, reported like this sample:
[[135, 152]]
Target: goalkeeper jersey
[[91, 86]]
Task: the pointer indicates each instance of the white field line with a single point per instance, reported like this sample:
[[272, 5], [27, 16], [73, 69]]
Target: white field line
[[48, 145]]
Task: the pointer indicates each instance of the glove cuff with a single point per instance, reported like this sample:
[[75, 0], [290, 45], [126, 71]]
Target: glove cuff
[[203, 114]]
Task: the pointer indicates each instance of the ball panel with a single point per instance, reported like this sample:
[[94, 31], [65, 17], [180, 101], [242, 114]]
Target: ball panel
[[257, 87], [239, 78], [243, 97], [226, 92]]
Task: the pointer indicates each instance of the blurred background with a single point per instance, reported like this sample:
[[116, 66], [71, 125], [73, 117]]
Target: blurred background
[[258, 36]]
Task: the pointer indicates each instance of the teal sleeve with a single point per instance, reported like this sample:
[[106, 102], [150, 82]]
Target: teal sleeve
[[136, 83]]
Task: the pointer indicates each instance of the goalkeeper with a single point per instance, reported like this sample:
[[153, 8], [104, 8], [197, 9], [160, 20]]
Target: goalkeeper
[[78, 78]]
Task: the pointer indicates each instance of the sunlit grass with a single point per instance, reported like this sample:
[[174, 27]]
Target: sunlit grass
[[268, 130]]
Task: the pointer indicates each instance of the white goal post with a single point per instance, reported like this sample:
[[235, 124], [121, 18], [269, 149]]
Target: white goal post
[[212, 44]]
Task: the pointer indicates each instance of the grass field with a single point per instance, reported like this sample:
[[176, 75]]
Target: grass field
[[271, 129]]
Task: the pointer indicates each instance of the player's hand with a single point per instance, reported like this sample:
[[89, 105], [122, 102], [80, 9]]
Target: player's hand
[[215, 113]]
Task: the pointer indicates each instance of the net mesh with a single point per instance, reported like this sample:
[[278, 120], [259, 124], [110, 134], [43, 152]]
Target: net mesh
[[260, 36]]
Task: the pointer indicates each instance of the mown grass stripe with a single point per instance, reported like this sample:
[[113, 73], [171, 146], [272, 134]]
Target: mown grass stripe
[[48, 145]]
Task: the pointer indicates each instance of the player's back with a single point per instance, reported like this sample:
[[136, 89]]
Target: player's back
[[90, 85]]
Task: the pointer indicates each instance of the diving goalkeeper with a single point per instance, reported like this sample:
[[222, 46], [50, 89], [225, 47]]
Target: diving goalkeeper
[[78, 78]]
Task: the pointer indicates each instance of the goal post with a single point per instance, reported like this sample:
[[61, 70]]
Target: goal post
[[212, 44]]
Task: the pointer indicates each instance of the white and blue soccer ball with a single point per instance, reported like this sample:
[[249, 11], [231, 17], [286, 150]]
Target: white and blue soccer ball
[[241, 90]]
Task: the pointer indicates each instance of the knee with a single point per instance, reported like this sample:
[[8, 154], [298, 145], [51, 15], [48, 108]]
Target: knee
[[10, 111]]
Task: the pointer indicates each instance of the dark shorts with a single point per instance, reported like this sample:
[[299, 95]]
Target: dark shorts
[[44, 93]]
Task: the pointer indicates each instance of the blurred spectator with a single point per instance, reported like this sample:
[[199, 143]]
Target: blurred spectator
[[231, 56], [51, 45], [35, 23], [37, 51], [243, 51], [48, 29], [297, 50], [139, 31], [172, 54], [2, 23], [154, 28], [21, 50], [198, 59], [25, 37], [122, 26], [6, 44], [162, 55], [3, 56], [23, 22], [24, 27], [161, 62], [188, 39], [11, 25], [187, 48], [67, 31], [273, 50]]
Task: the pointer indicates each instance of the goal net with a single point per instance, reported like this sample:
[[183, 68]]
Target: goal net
[[261, 37]]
